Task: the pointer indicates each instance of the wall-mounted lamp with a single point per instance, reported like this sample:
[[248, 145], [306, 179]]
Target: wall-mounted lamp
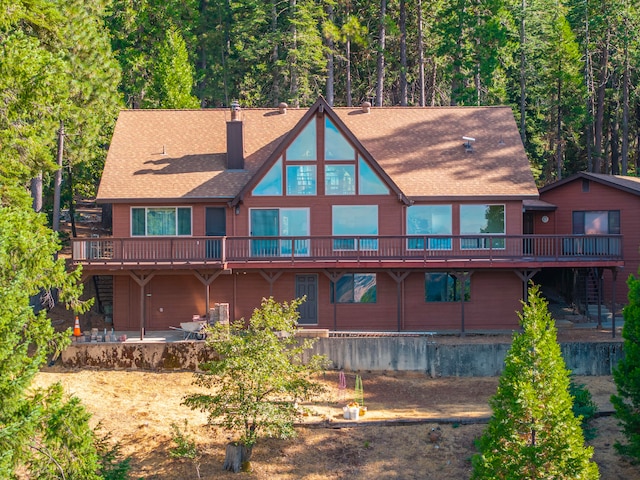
[[237, 210]]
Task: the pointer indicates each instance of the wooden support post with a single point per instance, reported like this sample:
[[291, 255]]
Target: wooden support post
[[399, 279], [270, 277], [334, 277], [525, 276], [461, 277], [614, 273], [142, 281], [207, 279]]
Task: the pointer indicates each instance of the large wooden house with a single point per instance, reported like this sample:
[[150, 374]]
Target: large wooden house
[[597, 207], [385, 219]]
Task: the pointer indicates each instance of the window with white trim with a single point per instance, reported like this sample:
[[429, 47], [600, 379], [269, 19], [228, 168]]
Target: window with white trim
[[160, 221]]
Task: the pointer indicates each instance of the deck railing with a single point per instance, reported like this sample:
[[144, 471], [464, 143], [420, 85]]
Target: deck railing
[[206, 250]]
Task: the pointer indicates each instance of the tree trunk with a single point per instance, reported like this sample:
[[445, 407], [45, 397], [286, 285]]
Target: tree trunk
[[36, 192], [329, 91], [625, 103], [348, 86], [523, 71], [236, 457], [403, 54], [602, 84], [381, 47], [423, 97]]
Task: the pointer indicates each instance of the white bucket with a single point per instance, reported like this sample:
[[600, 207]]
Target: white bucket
[[354, 412]]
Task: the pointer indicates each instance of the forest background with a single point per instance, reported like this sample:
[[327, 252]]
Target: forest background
[[567, 68]]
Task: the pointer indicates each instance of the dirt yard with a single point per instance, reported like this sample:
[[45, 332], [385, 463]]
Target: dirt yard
[[392, 441]]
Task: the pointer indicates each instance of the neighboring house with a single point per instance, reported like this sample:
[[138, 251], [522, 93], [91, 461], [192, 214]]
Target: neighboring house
[[598, 207], [386, 219]]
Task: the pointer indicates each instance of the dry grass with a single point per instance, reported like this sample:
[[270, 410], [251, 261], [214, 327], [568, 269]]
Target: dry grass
[[139, 407]]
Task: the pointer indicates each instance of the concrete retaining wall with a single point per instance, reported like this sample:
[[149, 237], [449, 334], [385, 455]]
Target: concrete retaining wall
[[375, 354]]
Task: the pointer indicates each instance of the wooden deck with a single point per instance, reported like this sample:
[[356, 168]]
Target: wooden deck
[[372, 252]]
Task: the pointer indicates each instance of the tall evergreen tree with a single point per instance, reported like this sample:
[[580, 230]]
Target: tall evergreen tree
[[172, 75], [533, 432], [627, 374]]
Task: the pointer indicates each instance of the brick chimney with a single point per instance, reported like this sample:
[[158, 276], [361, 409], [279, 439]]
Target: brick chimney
[[235, 145]]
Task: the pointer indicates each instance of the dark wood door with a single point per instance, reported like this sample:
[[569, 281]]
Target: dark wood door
[[307, 284], [215, 226]]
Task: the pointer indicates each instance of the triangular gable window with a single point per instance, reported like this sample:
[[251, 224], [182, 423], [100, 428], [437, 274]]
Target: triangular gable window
[[304, 146], [271, 183], [368, 181], [336, 147]]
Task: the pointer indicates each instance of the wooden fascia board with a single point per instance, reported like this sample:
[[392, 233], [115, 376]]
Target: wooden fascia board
[[593, 178]]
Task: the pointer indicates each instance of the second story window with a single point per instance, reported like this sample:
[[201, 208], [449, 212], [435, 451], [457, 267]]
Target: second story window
[[488, 221], [160, 221], [596, 222]]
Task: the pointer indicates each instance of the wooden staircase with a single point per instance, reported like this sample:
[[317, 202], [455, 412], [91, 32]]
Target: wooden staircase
[[104, 294]]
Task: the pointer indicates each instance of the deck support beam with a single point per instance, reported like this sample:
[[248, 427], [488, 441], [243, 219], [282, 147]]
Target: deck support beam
[[462, 278], [142, 281], [334, 277], [207, 279], [271, 278], [525, 276], [614, 274], [399, 279]]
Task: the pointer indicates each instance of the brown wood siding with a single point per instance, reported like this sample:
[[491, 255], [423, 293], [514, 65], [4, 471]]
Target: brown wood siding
[[495, 297], [570, 197]]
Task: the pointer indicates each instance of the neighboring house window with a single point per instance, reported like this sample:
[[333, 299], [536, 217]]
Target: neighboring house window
[[356, 220], [368, 181], [596, 222], [445, 287], [486, 220], [430, 222], [279, 222], [336, 147], [160, 221], [355, 288], [271, 183], [303, 148], [301, 179], [339, 179]]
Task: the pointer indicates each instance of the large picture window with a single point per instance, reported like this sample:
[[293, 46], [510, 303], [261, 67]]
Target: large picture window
[[271, 183], [160, 221], [301, 179], [445, 287], [336, 147], [358, 220], [368, 181], [355, 288], [596, 222], [304, 146], [485, 220], [339, 179], [279, 222], [429, 223]]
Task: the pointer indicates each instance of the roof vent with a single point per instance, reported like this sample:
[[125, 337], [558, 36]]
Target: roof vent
[[235, 111], [467, 144], [282, 108], [366, 107]]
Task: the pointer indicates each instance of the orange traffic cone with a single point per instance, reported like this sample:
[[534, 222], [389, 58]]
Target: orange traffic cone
[[76, 328]]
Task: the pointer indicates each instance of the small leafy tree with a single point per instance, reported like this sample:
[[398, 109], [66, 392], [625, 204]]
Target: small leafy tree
[[627, 375], [258, 378], [533, 432], [186, 446]]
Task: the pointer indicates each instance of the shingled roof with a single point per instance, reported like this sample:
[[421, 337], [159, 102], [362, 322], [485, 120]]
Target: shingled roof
[[166, 155]]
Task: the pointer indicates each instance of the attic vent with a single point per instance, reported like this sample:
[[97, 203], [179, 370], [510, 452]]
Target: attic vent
[[468, 147], [282, 108], [366, 107]]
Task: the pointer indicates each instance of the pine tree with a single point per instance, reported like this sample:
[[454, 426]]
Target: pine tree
[[533, 432], [627, 374]]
